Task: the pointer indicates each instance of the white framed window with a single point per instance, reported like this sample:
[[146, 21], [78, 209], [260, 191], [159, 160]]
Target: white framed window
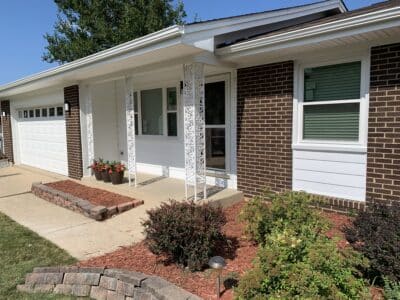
[[332, 103], [156, 111], [41, 113]]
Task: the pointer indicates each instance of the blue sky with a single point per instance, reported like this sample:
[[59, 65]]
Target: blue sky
[[24, 22]]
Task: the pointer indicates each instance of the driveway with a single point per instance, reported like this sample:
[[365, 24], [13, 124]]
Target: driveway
[[80, 236]]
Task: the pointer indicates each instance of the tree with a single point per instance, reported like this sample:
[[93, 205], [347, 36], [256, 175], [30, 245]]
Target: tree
[[84, 27]]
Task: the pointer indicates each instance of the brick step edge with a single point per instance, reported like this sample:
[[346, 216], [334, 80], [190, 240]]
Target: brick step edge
[[96, 212], [102, 284]]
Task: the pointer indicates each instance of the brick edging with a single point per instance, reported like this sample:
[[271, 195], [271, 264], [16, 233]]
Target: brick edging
[[101, 283], [96, 212]]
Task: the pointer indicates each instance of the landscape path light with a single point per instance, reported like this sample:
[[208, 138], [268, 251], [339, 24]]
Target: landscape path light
[[217, 263]]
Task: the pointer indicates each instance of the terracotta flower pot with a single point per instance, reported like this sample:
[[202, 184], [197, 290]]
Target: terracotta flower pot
[[106, 176], [117, 177], [97, 175]]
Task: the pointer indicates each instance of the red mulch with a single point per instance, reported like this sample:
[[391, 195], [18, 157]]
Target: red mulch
[[93, 195], [139, 258]]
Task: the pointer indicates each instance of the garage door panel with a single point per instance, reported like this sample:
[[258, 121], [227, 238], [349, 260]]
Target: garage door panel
[[43, 144]]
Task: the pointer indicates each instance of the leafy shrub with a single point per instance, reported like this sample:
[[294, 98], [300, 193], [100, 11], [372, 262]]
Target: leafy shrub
[[376, 233], [295, 259], [286, 209], [184, 232], [392, 289]]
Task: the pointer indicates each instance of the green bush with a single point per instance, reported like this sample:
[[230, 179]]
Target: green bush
[[295, 259], [287, 209], [185, 232], [392, 289]]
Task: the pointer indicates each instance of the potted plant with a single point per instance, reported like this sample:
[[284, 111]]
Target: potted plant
[[117, 172], [105, 172], [97, 167]]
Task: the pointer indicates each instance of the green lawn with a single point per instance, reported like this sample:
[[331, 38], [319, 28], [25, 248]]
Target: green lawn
[[20, 251]]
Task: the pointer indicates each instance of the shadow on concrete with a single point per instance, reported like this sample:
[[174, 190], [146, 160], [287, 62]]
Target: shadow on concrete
[[13, 195], [9, 175]]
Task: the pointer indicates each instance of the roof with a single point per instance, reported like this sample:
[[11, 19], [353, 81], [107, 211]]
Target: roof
[[262, 12], [361, 11]]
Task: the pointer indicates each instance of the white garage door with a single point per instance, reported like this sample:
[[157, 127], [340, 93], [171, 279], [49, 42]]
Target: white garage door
[[42, 139]]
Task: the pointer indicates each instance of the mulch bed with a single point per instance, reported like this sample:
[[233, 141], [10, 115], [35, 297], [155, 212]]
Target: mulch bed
[[93, 195], [139, 258]]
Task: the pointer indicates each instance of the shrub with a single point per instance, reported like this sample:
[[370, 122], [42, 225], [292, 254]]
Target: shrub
[[184, 232], [376, 233], [302, 266], [287, 209], [295, 259], [391, 290]]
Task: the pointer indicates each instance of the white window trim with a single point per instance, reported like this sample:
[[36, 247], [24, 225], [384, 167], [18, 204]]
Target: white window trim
[[298, 108], [165, 111]]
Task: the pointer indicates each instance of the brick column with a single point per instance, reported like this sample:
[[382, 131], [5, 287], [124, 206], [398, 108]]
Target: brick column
[[7, 132], [264, 118], [73, 128], [383, 166]]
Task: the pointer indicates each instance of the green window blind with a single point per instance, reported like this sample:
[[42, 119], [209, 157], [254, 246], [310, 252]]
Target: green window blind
[[331, 122], [334, 82]]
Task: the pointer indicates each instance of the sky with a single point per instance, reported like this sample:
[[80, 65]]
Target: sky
[[24, 22]]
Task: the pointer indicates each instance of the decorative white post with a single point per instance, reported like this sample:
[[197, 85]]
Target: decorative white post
[[194, 128], [130, 129], [89, 125]]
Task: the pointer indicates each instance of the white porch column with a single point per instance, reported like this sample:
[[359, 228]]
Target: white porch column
[[194, 129], [130, 129], [89, 125]]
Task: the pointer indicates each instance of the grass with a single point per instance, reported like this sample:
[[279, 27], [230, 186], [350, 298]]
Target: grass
[[20, 251]]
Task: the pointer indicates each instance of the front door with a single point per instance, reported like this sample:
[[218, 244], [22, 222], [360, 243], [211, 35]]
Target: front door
[[215, 101]]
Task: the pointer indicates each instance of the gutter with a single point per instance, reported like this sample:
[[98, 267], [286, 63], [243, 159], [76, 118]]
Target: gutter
[[147, 40], [346, 24]]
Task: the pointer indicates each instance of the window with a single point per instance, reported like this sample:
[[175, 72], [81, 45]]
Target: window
[[25, 114], [37, 112], [44, 112], [172, 112], [331, 106], [51, 112], [152, 112], [60, 111], [215, 125], [31, 113]]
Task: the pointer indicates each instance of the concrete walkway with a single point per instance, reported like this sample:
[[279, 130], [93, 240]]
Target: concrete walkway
[[80, 236]]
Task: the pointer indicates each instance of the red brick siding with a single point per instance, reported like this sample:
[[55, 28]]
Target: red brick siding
[[264, 136], [383, 166], [7, 132], [73, 128]]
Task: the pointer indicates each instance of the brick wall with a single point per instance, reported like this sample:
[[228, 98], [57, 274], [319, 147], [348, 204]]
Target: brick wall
[[264, 112], [7, 132], [383, 166], [73, 128]]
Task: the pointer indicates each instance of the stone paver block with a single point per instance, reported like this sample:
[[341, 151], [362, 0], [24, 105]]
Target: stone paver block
[[81, 290], [63, 289], [108, 283], [125, 206], [124, 288], [142, 295], [46, 270], [98, 212], [69, 269], [44, 288], [154, 284], [127, 276], [25, 288], [82, 278], [98, 293], [98, 270], [44, 278], [137, 202], [111, 295]]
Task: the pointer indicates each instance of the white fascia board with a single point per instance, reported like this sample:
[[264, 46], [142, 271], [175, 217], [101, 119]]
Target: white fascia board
[[282, 40], [131, 46]]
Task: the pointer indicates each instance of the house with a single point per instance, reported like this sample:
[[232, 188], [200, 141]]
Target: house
[[303, 98]]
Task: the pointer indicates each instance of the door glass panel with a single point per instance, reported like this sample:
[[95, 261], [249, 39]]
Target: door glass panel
[[152, 112], [215, 148], [215, 125], [215, 103]]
